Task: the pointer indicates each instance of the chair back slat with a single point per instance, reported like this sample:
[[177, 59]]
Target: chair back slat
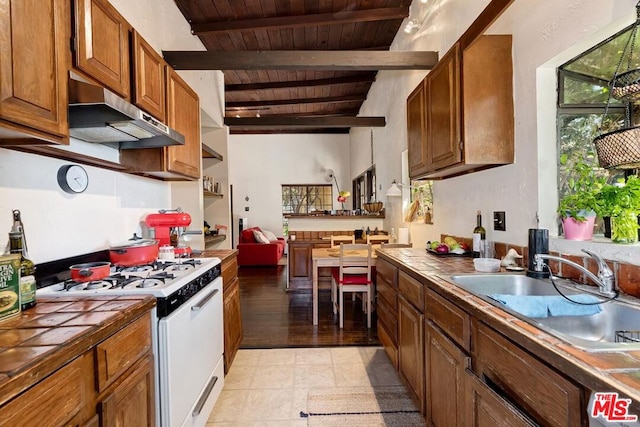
[[351, 264], [337, 240]]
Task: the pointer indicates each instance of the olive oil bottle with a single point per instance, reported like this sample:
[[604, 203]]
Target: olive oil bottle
[[18, 246]]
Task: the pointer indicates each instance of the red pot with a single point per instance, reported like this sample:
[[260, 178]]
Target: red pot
[[89, 271], [137, 252]]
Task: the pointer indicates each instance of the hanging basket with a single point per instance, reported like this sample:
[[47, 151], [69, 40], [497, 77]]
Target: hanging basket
[[619, 149], [626, 86]]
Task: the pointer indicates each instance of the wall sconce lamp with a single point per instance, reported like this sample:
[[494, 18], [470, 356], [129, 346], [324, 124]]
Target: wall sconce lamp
[[411, 26], [394, 190]]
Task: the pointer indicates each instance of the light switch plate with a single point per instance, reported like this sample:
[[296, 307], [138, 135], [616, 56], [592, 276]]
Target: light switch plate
[[499, 221]]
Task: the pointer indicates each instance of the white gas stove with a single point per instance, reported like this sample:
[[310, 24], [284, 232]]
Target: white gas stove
[[188, 337]]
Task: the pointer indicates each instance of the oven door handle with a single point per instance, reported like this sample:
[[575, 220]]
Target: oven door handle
[[205, 300], [204, 396]]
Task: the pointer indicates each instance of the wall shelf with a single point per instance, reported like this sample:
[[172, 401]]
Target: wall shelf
[[210, 194], [208, 240], [211, 154]]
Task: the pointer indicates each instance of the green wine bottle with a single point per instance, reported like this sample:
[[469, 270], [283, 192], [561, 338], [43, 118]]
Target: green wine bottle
[[479, 234], [18, 246]]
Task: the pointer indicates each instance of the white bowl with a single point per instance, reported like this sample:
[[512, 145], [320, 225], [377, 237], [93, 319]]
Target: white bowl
[[487, 265]]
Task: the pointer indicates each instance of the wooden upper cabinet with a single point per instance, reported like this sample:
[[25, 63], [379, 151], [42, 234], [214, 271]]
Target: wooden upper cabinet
[[183, 111], [102, 45], [34, 63], [469, 122], [443, 112], [416, 125], [149, 82]]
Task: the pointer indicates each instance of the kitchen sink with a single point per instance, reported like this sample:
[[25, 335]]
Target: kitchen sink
[[615, 328]]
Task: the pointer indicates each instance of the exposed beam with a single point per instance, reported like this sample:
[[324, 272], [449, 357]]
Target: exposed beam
[[327, 100], [278, 22], [301, 60], [488, 15], [367, 78], [288, 121]]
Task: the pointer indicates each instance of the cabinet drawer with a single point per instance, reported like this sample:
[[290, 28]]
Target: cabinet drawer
[[120, 351], [54, 401], [388, 294], [546, 396], [452, 320], [229, 271], [387, 272], [389, 318], [412, 290]]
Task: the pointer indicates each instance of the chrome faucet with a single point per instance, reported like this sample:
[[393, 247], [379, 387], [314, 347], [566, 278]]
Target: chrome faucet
[[605, 279]]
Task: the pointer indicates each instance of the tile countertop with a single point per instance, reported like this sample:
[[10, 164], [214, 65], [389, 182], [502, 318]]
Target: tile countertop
[[57, 330], [597, 371]]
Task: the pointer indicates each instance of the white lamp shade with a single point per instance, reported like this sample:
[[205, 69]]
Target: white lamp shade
[[394, 190]]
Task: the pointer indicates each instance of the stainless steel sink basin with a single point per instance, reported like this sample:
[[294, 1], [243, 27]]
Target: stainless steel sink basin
[[615, 328]]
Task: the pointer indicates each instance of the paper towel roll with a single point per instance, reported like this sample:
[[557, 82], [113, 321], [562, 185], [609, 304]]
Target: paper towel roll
[[403, 235]]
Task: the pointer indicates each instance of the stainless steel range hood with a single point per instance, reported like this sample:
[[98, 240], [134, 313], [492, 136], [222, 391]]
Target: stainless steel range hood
[[99, 115]]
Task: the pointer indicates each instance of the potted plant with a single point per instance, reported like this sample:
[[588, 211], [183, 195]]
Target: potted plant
[[579, 205], [621, 202]]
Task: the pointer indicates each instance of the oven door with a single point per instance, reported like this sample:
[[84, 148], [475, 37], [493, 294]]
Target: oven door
[[190, 346]]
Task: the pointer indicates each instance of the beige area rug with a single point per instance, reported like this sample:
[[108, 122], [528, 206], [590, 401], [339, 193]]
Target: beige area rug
[[382, 406], [283, 260]]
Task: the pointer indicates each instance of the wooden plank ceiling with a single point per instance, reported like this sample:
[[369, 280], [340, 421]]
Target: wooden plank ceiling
[[327, 83]]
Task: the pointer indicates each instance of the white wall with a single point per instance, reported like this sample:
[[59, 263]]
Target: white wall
[[542, 30], [59, 225], [260, 164], [218, 211]]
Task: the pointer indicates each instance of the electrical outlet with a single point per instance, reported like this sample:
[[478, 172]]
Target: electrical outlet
[[246, 208], [499, 221]]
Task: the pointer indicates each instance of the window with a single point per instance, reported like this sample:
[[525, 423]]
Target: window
[[364, 188], [583, 95], [305, 199]]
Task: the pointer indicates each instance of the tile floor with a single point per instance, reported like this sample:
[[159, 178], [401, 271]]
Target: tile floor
[[269, 387]]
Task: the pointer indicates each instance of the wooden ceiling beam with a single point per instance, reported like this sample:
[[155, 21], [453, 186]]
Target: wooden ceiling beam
[[288, 121], [266, 103], [366, 78], [351, 60], [295, 21]]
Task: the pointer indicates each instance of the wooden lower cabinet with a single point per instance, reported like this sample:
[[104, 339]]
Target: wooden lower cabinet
[[232, 312], [300, 265], [487, 409], [539, 391], [131, 402], [73, 396], [411, 349], [445, 379]]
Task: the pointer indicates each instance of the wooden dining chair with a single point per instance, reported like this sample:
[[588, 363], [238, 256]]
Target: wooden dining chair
[[376, 239], [337, 240], [353, 275]]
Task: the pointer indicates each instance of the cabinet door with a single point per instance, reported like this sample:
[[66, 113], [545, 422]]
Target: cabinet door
[[131, 402], [488, 409], [300, 265], [416, 141], [183, 113], [102, 44], [33, 65], [411, 349], [445, 379], [232, 323], [149, 82], [443, 112]]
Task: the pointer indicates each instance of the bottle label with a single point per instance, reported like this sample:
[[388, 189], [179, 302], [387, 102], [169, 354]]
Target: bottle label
[[27, 290], [476, 242]]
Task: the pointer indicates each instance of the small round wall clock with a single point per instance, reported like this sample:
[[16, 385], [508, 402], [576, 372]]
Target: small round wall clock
[[73, 179]]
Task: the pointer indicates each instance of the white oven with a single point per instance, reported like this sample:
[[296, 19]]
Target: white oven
[[187, 329], [191, 371]]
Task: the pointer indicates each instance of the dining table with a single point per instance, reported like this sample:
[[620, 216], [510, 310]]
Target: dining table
[[330, 257]]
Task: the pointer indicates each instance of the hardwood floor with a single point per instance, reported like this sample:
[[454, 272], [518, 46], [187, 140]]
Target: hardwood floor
[[274, 318]]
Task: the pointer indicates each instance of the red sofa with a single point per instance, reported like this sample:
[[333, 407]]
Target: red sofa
[[251, 252]]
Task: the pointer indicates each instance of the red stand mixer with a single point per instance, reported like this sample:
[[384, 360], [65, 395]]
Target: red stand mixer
[[169, 227]]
